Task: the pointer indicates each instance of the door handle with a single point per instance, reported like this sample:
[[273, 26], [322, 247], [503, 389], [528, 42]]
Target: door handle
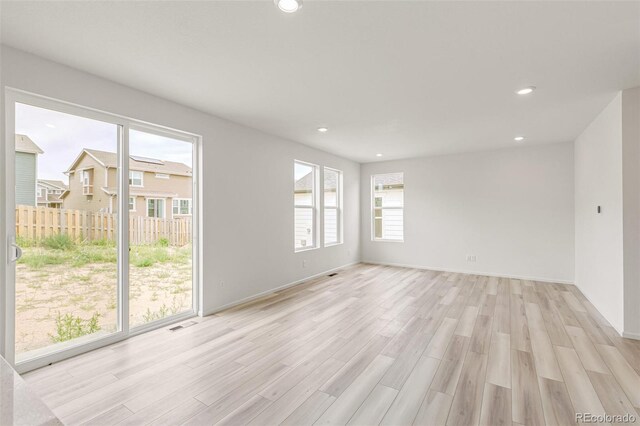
[[15, 252]]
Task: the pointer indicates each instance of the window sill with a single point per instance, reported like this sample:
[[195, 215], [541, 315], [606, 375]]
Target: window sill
[[380, 240], [334, 244], [305, 249]]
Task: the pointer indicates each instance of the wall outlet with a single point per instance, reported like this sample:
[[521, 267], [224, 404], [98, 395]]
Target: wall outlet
[[472, 258], [304, 263]]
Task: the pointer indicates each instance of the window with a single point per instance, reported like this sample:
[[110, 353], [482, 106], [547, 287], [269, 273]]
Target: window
[[87, 182], [332, 206], [181, 206], [41, 192], [155, 207], [388, 207], [135, 178], [132, 204], [304, 194], [162, 176]]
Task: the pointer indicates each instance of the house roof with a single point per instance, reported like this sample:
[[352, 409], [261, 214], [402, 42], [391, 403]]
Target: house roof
[[58, 184], [110, 160], [25, 144], [304, 183], [389, 180]]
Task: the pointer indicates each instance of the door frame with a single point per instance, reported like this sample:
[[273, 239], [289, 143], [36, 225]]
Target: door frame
[[7, 227]]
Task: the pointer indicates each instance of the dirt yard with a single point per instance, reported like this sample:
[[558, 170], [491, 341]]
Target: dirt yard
[[62, 289]]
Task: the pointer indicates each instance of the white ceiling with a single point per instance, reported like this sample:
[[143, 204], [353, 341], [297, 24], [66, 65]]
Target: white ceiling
[[400, 78]]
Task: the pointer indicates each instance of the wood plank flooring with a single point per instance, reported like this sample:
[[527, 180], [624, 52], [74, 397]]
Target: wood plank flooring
[[371, 345]]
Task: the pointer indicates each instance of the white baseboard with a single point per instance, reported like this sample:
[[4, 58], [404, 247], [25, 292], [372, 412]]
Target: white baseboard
[[620, 332], [273, 290], [629, 335], [490, 274]]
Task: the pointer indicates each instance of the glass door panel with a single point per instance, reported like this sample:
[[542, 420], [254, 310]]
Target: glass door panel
[[66, 282], [160, 227]]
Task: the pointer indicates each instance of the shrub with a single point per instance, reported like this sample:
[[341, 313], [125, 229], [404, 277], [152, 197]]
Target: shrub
[[69, 327], [163, 242], [155, 315], [25, 242], [145, 256], [58, 242], [38, 260], [144, 262], [102, 243]]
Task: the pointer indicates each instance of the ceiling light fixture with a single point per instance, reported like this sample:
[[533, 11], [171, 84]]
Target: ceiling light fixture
[[51, 126], [323, 129], [526, 90], [518, 138], [288, 6], [378, 155]]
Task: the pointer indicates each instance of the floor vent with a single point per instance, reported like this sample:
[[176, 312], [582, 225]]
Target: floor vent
[[333, 275], [181, 326]]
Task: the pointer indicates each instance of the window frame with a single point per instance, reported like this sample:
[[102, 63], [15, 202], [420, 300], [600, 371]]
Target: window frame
[[338, 208], [141, 178], [313, 207], [164, 207], [372, 199], [173, 200], [132, 197]]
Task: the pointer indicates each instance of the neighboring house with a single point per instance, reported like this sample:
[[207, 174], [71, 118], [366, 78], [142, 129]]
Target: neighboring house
[[388, 201], [26, 170], [157, 188], [50, 193], [303, 217], [303, 197]]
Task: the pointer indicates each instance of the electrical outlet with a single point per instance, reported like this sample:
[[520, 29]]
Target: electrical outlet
[[472, 258]]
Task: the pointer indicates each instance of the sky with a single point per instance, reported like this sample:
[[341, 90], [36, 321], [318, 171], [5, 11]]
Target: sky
[[63, 136]]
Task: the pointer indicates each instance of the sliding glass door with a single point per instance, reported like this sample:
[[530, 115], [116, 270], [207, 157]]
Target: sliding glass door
[[160, 227], [100, 222], [66, 281]]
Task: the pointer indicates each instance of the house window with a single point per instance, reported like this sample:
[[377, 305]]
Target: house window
[[135, 178], [332, 206], [388, 207], [182, 206], [304, 194], [162, 176], [155, 207], [87, 182], [41, 192], [132, 204]]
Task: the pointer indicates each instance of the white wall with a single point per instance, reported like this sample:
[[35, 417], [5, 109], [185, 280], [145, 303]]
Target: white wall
[[598, 177], [511, 208], [247, 181], [631, 209]]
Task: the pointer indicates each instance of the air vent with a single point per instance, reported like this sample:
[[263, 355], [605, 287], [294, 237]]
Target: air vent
[[183, 325], [333, 275]]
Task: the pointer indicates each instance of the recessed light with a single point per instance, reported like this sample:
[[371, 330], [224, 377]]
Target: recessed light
[[51, 126], [518, 138], [288, 6], [323, 129], [378, 155], [526, 90]]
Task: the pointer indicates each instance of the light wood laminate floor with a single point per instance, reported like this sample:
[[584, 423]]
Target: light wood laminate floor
[[371, 345]]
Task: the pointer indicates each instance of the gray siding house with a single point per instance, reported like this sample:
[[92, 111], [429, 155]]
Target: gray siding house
[[26, 170]]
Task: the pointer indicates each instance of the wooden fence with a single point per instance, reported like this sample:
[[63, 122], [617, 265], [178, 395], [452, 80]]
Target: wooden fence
[[40, 222]]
